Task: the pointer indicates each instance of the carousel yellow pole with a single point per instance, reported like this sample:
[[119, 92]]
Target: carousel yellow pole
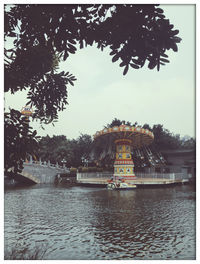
[[123, 165]]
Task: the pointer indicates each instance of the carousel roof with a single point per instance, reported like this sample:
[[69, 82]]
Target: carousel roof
[[139, 136], [27, 111]]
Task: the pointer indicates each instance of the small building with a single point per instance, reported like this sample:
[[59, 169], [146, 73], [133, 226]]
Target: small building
[[178, 161], [181, 161]]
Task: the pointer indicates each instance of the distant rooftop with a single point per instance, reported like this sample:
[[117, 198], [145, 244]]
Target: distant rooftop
[[178, 151]]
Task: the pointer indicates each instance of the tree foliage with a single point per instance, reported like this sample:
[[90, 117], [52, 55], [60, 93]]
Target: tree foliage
[[118, 122], [43, 35], [136, 34], [19, 141], [59, 148], [163, 138]]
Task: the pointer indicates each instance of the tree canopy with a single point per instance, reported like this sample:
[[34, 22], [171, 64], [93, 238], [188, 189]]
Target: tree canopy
[[163, 138], [45, 34], [19, 141], [57, 148]]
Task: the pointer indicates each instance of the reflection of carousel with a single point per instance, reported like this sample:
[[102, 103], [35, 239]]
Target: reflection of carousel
[[126, 138]]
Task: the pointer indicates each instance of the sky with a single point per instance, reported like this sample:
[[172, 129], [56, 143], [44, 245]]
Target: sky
[[101, 92]]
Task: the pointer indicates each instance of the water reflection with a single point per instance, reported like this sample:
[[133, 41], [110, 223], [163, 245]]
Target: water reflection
[[145, 224], [88, 223]]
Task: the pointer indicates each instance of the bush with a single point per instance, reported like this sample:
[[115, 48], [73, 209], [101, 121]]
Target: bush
[[73, 170], [18, 253], [90, 169]]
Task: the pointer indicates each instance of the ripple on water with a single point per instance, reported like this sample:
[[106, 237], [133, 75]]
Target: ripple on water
[[87, 223]]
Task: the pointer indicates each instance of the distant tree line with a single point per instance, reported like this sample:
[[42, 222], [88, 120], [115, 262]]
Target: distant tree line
[[75, 151], [62, 150], [163, 138]]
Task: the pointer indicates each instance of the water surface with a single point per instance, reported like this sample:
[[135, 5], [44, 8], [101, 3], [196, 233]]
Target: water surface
[[95, 223]]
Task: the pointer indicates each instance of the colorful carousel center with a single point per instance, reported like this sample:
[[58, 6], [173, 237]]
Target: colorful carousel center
[[126, 139], [123, 165], [27, 112]]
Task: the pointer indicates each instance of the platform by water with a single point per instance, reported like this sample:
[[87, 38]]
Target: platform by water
[[101, 179]]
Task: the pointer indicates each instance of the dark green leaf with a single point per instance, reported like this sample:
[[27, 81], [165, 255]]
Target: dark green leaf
[[66, 54], [159, 10], [125, 70], [134, 66], [115, 58], [122, 64], [164, 60]]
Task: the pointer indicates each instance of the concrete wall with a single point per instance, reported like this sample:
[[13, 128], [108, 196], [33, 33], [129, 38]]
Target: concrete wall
[[45, 174]]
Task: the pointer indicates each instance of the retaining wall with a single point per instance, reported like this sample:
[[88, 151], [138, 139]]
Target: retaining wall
[[44, 173]]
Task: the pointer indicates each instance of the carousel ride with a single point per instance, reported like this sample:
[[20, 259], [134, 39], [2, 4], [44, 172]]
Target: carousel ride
[[27, 112], [128, 147]]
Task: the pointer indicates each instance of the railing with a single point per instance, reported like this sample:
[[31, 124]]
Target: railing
[[46, 164], [155, 175], [169, 176], [97, 175], [107, 175], [183, 176]]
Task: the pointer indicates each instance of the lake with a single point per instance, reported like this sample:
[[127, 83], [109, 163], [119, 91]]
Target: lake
[[98, 224]]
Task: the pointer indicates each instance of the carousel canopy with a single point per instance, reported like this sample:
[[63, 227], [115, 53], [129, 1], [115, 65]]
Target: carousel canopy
[[139, 136], [27, 111]]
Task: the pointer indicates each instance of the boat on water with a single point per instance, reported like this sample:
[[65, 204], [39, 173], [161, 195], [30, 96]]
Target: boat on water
[[119, 185]]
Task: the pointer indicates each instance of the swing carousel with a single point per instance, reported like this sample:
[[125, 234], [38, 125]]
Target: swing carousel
[[27, 112], [129, 142]]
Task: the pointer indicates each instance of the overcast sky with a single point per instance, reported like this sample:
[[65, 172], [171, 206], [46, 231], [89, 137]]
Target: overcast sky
[[101, 92]]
